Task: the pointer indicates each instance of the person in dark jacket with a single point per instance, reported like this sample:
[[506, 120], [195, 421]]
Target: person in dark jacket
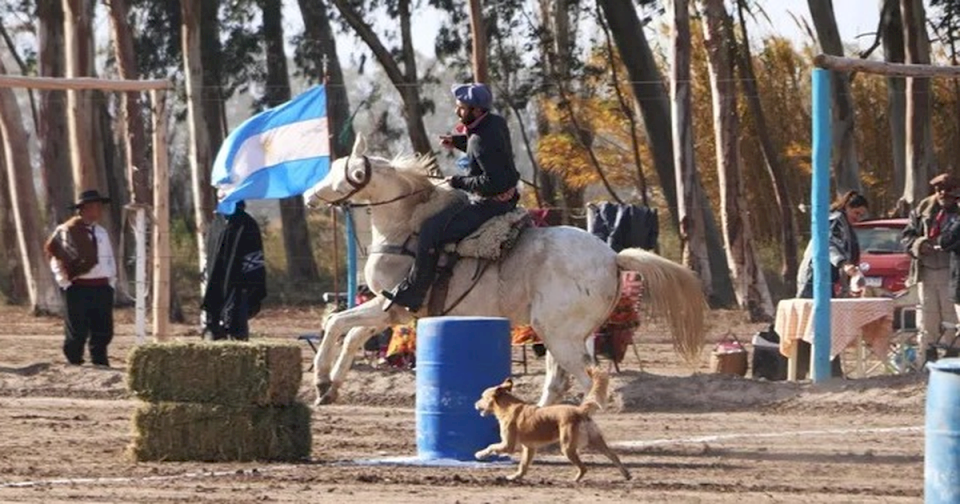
[[843, 247], [844, 253], [949, 241], [491, 185], [236, 275]]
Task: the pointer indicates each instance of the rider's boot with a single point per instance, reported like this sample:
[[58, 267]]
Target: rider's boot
[[413, 290]]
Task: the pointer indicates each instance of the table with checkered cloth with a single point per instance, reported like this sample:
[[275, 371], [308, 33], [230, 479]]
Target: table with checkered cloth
[[850, 318]]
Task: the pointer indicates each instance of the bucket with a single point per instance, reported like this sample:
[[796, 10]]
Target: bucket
[[941, 466], [457, 359], [729, 357]]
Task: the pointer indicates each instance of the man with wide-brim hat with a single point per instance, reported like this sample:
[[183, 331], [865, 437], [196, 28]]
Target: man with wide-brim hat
[[930, 264], [82, 260]]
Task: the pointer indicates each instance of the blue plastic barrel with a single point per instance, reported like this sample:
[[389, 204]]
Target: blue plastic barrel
[[457, 358], [941, 471]]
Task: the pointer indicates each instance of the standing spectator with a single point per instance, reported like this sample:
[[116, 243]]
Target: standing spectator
[[844, 254], [236, 275], [81, 257], [929, 267], [949, 241]]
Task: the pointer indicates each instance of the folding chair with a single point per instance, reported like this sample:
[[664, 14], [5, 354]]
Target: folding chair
[[903, 354], [948, 341], [904, 345]]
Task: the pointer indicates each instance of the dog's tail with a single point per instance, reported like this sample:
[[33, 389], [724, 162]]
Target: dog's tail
[[596, 398]]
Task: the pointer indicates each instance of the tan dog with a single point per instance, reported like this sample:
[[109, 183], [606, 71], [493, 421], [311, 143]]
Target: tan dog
[[532, 427]]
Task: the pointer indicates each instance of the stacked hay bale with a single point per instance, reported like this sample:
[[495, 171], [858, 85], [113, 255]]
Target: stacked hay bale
[[225, 401]]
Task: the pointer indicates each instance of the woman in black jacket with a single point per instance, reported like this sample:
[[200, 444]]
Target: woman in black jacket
[[844, 253]]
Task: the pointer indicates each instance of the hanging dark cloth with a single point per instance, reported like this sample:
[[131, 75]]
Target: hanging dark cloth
[[624, 226], [236, 274]]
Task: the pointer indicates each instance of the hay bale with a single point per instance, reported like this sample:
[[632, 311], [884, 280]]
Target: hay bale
[[218, 433], [230, 373]]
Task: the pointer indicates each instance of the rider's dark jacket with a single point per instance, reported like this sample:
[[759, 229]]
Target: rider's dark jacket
[[490, 152]]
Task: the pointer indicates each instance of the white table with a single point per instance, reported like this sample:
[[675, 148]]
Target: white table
[[850, 319]]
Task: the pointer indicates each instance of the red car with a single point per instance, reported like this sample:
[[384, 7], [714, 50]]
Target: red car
[[883, 259]]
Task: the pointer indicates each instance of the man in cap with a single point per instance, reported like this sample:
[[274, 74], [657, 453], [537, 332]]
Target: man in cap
[[81, 257], [491, 184], [929, 265]]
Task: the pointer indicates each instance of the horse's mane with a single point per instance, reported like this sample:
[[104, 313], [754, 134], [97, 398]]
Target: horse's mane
[[415, 169], [418, 171]]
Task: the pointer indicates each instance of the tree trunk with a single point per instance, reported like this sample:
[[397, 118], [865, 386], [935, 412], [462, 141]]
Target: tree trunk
[[210, 57], [919, 140], [773, 159], [654, 105], [693, 238], [132, 127], [52, 128], [648, 89], [296, 236], [319, 36], [78, 34], [412, 103], [41, 288], [17, 291], [404, 81], [114, 175], [200, 158], [478, 36], [749, 283], [893, 52], [846, 170]]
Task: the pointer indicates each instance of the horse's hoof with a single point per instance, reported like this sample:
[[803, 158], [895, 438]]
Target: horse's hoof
[[328, 398], [323, 387]]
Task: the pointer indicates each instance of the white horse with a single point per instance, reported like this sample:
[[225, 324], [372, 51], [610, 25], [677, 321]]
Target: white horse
[[562, 281]]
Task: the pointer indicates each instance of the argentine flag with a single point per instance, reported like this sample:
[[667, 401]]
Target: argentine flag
[[278, 153]]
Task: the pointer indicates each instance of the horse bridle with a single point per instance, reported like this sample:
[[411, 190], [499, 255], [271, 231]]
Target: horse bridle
[[355, 185], [358, 185]]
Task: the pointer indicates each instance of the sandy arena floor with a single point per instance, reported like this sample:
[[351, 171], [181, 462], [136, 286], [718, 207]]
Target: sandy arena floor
[[686, 437]]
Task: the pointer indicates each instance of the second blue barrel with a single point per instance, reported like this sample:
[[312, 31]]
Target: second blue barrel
[[941, 465], [457, 358]]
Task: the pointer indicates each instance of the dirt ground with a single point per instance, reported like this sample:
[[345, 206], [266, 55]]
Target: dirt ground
[[686, 435]]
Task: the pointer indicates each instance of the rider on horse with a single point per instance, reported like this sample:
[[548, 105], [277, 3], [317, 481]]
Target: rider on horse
[[491, 186]]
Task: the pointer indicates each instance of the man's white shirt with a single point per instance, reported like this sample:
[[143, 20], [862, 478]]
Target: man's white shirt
[[106, 266]]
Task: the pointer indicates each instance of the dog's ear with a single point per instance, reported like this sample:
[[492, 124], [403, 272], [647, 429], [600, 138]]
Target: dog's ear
[[507, 385]]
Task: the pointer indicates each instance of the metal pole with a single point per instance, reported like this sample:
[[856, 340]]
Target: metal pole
[[351, 257], [336, 261], [820, 226]]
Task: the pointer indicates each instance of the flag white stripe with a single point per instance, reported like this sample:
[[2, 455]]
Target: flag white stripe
[[290, 142]]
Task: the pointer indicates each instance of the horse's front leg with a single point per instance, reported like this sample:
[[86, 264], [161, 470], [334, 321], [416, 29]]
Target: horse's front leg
[[362, 321]]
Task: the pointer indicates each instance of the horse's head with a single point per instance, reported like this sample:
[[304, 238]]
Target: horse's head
[[359, 178], [347, 179]]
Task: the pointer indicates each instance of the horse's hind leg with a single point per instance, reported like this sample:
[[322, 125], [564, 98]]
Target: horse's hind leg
[[554, 383], [565, 341]]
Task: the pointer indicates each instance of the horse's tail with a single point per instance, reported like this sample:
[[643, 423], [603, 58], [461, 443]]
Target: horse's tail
[[675, 292], [597, 397]]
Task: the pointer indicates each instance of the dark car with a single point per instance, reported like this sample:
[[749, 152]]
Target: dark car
[[883, 259]]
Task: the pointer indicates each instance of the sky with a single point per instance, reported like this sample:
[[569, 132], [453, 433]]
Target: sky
[[856, 19]]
